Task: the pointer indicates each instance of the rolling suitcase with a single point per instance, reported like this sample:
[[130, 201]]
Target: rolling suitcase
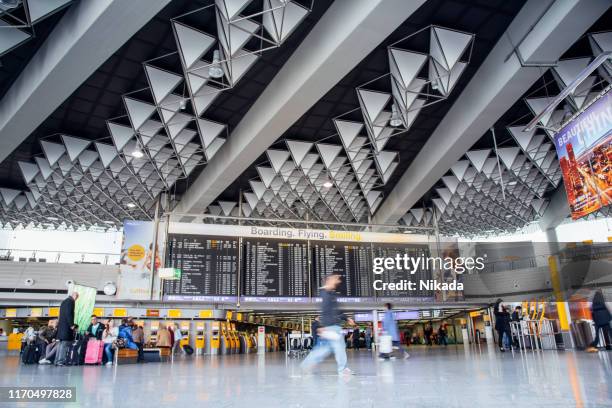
[[30, 354], [76, 353], [94, 352], [386, 345], [579, 341]]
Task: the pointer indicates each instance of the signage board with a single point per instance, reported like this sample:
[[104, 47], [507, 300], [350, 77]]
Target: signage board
[[584, 149]]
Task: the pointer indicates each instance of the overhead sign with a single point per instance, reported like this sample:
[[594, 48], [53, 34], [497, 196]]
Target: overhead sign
[[292, 233], [169, 273], [205, 314], [585, 157], [36, 312]]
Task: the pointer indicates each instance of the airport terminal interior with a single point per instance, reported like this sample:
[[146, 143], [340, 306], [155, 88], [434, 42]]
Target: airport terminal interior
[[306, 203]]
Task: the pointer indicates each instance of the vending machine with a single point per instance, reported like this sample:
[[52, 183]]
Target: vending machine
[[200, 337], [184, 328], [215, 337]]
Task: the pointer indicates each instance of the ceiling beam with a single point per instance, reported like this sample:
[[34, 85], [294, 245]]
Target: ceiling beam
[[347, 32], [86, 36], [543, 33]]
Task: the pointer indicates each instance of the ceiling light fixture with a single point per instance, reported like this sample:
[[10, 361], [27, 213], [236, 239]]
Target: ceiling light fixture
[[131, 205], [328, 184], [512, 183], [395, 117], [183, 104], [52, 218], [434, 84], [109, 222], [137, 152], [508, 215], [215, 71]]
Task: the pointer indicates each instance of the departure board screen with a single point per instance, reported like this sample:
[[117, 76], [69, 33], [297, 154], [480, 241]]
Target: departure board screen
[[352, 261], [395, 275], [275, 268], [209, 265]]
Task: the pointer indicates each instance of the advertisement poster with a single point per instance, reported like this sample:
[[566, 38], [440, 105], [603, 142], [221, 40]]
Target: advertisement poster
[[585, 154], [135, 268], [84, 305]]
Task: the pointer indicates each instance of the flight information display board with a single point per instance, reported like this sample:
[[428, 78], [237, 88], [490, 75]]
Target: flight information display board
[[208, 264], [397, 275], [275, 268], [352, 261]]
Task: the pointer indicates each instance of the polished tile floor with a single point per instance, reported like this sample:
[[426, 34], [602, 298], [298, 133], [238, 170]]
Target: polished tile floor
[[431, 377]]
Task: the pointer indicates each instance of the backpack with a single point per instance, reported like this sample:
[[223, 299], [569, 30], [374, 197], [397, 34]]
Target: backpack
[[188, 349]]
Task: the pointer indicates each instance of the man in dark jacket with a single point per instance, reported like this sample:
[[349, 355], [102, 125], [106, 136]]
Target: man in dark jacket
[[502, 325], [65, 327], [331, 338], [601, 317]]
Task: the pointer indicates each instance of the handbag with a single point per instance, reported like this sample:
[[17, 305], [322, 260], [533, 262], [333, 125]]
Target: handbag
[[120, 343]]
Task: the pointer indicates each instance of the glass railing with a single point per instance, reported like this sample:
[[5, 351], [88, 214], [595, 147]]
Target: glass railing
[[73, 257]]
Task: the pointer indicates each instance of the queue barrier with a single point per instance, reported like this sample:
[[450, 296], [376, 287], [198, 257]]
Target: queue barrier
[[535, 334]]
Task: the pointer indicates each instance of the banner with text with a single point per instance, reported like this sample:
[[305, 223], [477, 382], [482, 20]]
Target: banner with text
[[585, 157]]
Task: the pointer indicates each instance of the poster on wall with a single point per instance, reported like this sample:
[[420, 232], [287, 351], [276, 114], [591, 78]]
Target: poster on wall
[[585, 157], [84, 305], [135, 267]]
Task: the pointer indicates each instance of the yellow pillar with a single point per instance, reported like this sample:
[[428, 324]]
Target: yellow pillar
[[562, 307]]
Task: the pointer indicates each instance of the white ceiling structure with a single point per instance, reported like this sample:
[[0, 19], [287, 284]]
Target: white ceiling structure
[[488, 192], [339, 182], [18, 20], [79, 183], [167, 132]]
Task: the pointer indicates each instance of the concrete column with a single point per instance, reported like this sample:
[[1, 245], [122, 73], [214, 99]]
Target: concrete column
[[563, 310]]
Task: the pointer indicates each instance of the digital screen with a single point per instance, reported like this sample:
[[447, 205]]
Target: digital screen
[[397, 275], [275, 268], [209, 265], [584, 149], [352, 261]]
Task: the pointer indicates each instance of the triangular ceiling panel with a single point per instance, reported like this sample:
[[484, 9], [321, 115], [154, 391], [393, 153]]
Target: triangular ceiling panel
[[107, 153], [52, 151], [74, 146], [39, 9], [28, 170], [192, 43], [478, 158], [162, 82], [405, 65], [447, 46], [138, 111]]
